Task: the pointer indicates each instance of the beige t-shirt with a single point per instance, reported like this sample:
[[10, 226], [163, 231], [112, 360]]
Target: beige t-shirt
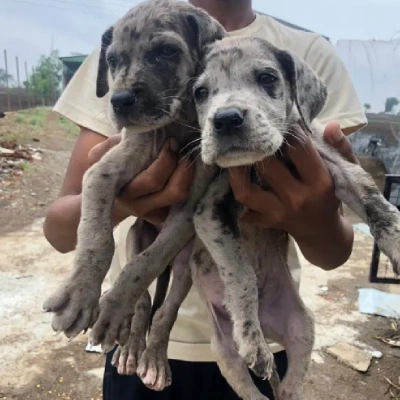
[[190, 337]]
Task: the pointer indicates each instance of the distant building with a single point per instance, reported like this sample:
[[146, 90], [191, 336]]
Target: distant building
[[72, 63], [373, 66], [380, 140]]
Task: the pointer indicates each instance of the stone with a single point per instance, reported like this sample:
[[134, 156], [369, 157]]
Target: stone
[[351, 356], [377, 354], [6, 151]]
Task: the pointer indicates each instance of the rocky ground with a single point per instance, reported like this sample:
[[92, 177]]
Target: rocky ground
[[35, 364]]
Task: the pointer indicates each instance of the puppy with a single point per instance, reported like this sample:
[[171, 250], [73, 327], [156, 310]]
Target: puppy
[[152, 54], [250, 98]]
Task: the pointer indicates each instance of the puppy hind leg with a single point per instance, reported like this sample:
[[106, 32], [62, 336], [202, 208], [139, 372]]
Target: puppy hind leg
[[154, 368], [232, 366], [299, 343]]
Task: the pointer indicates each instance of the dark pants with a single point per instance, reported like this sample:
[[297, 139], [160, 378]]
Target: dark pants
[[190, 381]]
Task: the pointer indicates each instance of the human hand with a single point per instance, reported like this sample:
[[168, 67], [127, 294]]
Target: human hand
[[150, 194], [305, 206], [335, 137]]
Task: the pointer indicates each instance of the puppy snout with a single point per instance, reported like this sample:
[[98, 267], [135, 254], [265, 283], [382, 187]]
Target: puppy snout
[[123, 101], [228, 121]]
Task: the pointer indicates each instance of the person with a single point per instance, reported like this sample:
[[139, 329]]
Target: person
[[306, 209]]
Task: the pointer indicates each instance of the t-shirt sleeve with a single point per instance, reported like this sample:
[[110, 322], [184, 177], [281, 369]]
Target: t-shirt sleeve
[[343, 104], [79, 102]]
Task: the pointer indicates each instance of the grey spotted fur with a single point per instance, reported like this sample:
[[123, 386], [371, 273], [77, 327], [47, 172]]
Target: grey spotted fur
[[251, 262], [244, 265], [136, 52]]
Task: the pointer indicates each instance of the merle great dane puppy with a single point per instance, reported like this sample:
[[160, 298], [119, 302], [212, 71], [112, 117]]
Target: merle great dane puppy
[[152, 55], [250, 99]]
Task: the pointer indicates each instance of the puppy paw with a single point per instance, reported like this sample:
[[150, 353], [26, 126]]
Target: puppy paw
[[256, 353], [114, 312], [75, 306], [126, 357], [154, 370]]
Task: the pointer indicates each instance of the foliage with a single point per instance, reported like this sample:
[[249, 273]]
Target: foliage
[[390, 103], [367, 106], [45, 81], [5, 77]]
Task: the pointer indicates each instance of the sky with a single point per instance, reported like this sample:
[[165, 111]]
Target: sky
[[29, 28]]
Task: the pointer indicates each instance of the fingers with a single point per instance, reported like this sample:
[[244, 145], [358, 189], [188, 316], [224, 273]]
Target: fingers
[[278, 176], [307, 160], [100, 149], [176, 190], [165, 182], [334, 136], [251, 195], [155, 177]]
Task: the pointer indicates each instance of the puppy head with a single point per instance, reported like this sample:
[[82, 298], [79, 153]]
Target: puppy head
[[249, 96], [148, 58]]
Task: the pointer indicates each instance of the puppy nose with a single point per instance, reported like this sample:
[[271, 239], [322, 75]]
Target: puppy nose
[[123, 101], [227, 121]]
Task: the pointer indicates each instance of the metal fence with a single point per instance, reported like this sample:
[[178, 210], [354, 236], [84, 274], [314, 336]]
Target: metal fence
[[381, 269], [15, 99], [14, 94]]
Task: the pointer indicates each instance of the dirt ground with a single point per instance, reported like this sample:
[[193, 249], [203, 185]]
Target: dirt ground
[[36, 364]]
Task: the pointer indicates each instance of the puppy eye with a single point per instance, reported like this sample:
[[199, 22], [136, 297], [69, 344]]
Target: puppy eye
[[112, 62], [267, 79], [168, 51], [200, 93]]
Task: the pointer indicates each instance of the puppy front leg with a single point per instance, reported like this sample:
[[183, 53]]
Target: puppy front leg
[[216, 223], [132, 339], [143, 269], [356, 189], [75, 303], [128, 354]]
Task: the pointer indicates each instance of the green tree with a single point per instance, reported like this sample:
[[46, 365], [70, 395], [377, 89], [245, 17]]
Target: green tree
[[5, 77], [45, 81], [390, 103], [367, 106]]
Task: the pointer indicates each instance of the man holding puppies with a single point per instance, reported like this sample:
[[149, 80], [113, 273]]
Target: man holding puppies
[[308, 211]]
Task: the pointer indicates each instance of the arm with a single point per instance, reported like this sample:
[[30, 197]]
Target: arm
[[305, 207], [148, 196], [340, 231], [308, 210]]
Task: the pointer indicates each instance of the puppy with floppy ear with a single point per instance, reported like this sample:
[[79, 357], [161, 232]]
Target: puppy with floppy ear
[[198, 27], [102, 87], [249, 98], [204, 31], [308, 92], [151, 54]]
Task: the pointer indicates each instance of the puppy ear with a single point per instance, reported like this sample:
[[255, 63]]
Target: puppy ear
[[308, 92], [102, 71], [204, 30]]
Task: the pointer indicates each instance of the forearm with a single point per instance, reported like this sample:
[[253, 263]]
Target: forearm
[[61, 223], [331, 248]]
